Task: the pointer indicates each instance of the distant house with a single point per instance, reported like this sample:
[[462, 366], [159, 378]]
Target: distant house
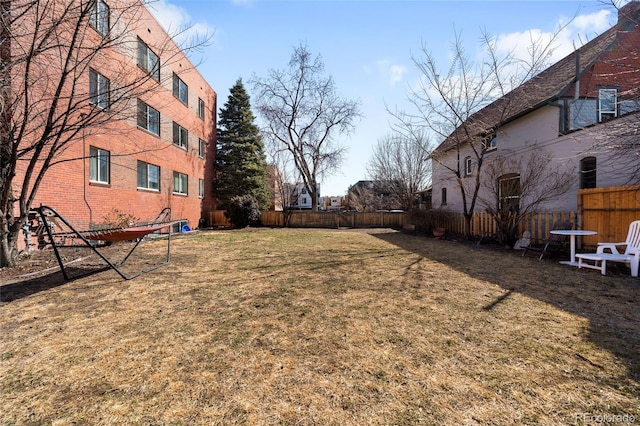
[[582, 111], [332, 203], [300, 196]]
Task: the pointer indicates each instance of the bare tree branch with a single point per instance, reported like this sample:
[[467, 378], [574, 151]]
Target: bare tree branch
[[304, 115]]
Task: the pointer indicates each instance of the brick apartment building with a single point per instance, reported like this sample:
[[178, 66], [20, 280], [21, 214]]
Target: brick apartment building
[[156, 149]]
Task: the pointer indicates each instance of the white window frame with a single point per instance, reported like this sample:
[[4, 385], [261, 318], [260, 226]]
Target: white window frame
[[98, 89], [99, 165], [180, 136], [605, 108], [148, 118], [148, 60], [180, 89], [180, 183], [490, 144], [148, 169], [468, 167], [99, 17], [200, 188]]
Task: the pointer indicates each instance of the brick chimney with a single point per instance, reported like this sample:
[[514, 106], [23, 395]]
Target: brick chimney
[[629, 15]]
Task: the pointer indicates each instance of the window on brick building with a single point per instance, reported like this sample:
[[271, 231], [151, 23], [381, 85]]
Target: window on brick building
[[201, 188], [201, 108], [607, 104], [148, 118], [180, 89], [148, 60], [180, 183], [148, 176], [201, 148], [99, 16], [98, 89], [99, 165], [180, 136]]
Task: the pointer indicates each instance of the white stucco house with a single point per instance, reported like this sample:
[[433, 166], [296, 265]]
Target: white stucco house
[[582, 115], [300, 197]]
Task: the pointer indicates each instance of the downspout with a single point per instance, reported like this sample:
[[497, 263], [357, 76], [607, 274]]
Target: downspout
[[84, 173], [576, 89]]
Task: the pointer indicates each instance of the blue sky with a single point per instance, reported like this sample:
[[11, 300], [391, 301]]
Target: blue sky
[[366, 46]]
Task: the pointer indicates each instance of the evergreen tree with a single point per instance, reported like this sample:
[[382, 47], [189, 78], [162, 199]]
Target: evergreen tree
[[241, 165]]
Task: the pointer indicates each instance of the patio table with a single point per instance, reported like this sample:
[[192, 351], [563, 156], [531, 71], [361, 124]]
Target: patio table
[[572, 233]]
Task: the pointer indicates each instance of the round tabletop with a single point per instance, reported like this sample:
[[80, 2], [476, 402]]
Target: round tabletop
[[572, 232]]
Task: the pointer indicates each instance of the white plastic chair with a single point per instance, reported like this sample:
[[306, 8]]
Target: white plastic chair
[[609, 252]]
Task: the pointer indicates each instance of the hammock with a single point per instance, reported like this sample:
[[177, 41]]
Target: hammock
[[125, 234], [132, 233]]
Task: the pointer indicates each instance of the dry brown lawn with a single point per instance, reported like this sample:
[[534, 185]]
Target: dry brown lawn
[[335, 327]]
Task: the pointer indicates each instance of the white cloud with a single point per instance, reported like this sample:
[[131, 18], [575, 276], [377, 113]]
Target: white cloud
[[243, 3], [178, 23], [572, 34], [393, 73], [581, 30]]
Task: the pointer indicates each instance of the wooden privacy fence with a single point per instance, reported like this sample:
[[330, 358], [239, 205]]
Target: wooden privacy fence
[[309, 219], [608, 211], [538, 223]]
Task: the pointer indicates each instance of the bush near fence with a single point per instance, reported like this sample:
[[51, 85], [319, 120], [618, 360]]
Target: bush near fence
[[538, 223]]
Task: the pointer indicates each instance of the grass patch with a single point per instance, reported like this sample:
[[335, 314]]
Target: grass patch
[[290, 326]]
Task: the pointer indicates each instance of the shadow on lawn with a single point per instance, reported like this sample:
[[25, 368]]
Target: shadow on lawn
[[610, 303], [21, 289]]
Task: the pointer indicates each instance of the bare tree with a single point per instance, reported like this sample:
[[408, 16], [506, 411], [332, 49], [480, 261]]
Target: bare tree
[[304, 114], [401, 163], [450, 102], [623, 139], [362, 198], [282, 178], [515, 186], [50, 97]]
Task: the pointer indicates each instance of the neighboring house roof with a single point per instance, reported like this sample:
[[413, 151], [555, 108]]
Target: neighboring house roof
[[546, 87]]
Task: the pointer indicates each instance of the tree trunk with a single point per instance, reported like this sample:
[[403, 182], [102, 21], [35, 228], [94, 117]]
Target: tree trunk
[[314, 199], [8, 246], [467, 225]]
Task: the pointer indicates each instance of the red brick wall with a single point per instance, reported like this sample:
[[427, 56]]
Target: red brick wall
[[66, 186], [619, 66]]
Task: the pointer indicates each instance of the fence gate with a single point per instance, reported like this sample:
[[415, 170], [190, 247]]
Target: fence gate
[[609, 211]]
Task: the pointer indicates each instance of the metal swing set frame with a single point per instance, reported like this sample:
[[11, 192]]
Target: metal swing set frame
[[49, 216]]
